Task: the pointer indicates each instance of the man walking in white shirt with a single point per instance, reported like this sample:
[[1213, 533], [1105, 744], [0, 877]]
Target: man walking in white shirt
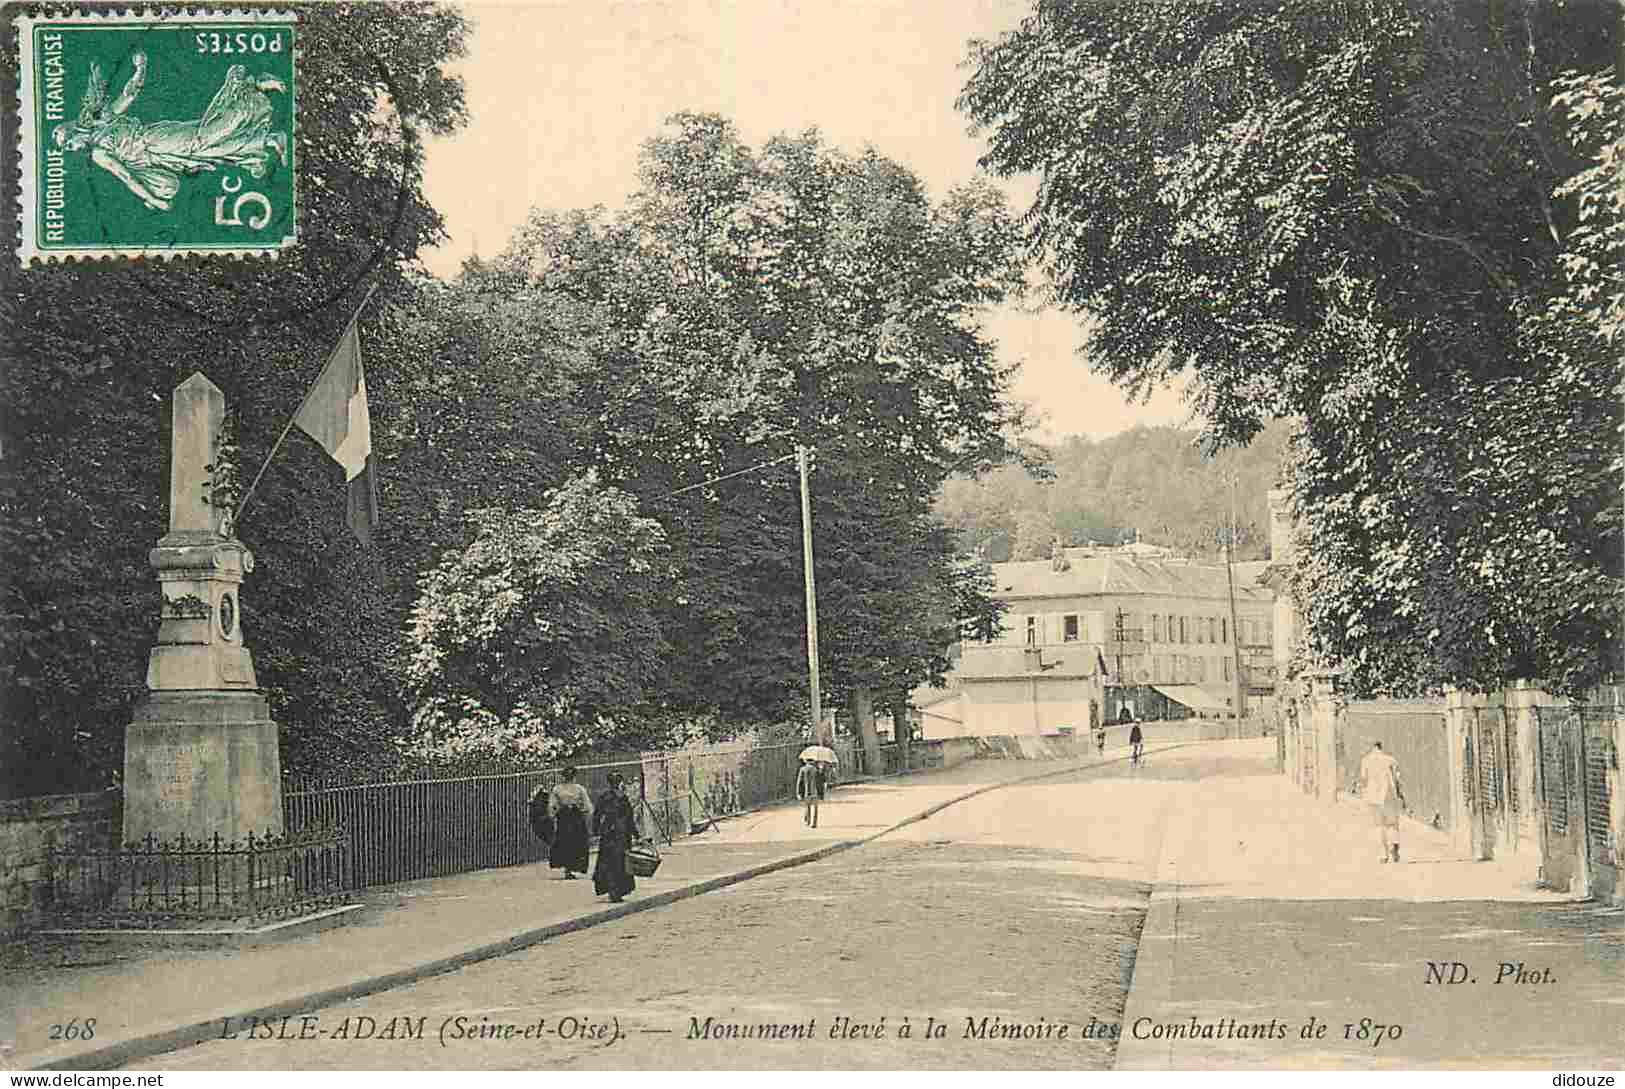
[[1379, 786]]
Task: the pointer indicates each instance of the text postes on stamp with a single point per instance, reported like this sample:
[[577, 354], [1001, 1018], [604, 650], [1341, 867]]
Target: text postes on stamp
[[157, 135]]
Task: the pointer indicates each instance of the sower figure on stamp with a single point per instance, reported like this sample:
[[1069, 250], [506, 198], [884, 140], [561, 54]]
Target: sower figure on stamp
[[149, 158], [1379, 786]]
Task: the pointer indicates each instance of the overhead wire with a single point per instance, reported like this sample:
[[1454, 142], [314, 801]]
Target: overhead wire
[[729, 476]]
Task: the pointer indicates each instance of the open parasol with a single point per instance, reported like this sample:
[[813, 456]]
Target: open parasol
[[820, 754]]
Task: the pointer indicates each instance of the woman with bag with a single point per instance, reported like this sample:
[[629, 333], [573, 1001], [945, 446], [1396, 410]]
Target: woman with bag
[[615, 822]]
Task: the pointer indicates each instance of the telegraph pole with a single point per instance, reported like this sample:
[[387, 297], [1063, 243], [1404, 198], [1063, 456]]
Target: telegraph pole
[[1235, 629], [812, 599]]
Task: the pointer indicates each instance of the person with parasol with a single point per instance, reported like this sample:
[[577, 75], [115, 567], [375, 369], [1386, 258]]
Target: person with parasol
[[821, 759]]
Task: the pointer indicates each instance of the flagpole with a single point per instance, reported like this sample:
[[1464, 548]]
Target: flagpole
[[237, 515]]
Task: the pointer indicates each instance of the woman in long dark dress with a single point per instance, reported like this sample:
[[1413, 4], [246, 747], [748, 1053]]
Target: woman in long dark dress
[[615, 822], [571, 810]]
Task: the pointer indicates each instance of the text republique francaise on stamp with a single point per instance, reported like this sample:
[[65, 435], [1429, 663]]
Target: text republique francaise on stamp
[[157, 135]]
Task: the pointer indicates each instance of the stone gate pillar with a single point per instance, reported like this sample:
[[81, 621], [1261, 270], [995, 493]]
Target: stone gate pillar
[[1327, 703]]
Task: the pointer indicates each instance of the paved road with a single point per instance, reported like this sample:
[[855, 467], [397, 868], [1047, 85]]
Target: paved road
[[1017, 911]]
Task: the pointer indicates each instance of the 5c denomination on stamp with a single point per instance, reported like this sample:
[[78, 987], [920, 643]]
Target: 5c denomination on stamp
[[158, 135]]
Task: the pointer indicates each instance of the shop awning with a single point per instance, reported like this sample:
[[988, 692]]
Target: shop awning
[[1193, 696]]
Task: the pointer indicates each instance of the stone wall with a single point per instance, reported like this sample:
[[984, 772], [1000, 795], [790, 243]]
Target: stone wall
[[1473, 761], [29, 827]]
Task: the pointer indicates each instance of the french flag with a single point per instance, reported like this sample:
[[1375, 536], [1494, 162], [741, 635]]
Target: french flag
[[335, 414]]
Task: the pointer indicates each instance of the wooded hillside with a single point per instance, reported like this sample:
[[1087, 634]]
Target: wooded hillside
[[1154, 480]]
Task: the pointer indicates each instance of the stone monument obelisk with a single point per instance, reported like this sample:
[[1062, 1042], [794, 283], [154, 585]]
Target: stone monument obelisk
[[200, 756]]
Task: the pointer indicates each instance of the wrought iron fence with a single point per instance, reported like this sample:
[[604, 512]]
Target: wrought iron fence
[[144, 883], [434, 827], [686, 790], [418, 828], [1578, 784]]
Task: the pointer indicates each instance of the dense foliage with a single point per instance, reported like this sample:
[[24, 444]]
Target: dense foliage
[[558, 566], [88, 358], [775, 297], [1393, 221], [533, 636]]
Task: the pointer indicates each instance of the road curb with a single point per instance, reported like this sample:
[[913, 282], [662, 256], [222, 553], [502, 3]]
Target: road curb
[[149, 1044], [1161, 923]]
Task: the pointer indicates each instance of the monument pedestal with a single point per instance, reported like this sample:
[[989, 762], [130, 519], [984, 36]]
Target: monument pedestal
[[202, 763], [200, 757], [202, 768]]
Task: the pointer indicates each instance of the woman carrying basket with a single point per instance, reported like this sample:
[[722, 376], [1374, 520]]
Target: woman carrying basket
[[615, 822]]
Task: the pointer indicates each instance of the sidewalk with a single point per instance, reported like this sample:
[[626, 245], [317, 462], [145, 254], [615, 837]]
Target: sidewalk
[[1270, 905], [149, 1000]]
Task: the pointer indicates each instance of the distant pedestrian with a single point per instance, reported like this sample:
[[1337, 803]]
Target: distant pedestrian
[[1381, 790], [823, 771], [1136, 741], [570, 807], [807, 791], [1100, 738], [616, 823]]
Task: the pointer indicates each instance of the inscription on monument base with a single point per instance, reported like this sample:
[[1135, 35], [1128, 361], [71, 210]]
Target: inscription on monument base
[[175, 773]]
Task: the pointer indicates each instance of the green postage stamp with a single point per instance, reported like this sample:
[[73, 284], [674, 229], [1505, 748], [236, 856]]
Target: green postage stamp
[[158, 135]]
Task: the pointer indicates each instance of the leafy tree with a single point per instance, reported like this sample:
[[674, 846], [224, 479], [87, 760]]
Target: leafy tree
[[542, 629], [1348, 214], [794, 295], [90, 354]]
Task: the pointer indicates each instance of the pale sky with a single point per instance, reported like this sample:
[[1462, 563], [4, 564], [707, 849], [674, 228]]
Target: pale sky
[[561, 93]]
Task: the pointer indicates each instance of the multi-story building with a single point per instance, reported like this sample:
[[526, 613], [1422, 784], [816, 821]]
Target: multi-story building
[[1104, 631]]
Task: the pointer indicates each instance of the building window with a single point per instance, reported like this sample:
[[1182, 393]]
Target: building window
[[1201, 669], [1070, 629], [1182, 632], [1224, 629], [1226, 662], [1156, 628], [1212, 634], [1032, 631]]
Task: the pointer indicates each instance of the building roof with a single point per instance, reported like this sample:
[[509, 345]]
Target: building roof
[[1119, 571], [927, 696]]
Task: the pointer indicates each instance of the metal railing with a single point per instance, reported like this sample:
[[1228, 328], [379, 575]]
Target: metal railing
[[687, 789], [433, 827], [419, 828], [256, 877]]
